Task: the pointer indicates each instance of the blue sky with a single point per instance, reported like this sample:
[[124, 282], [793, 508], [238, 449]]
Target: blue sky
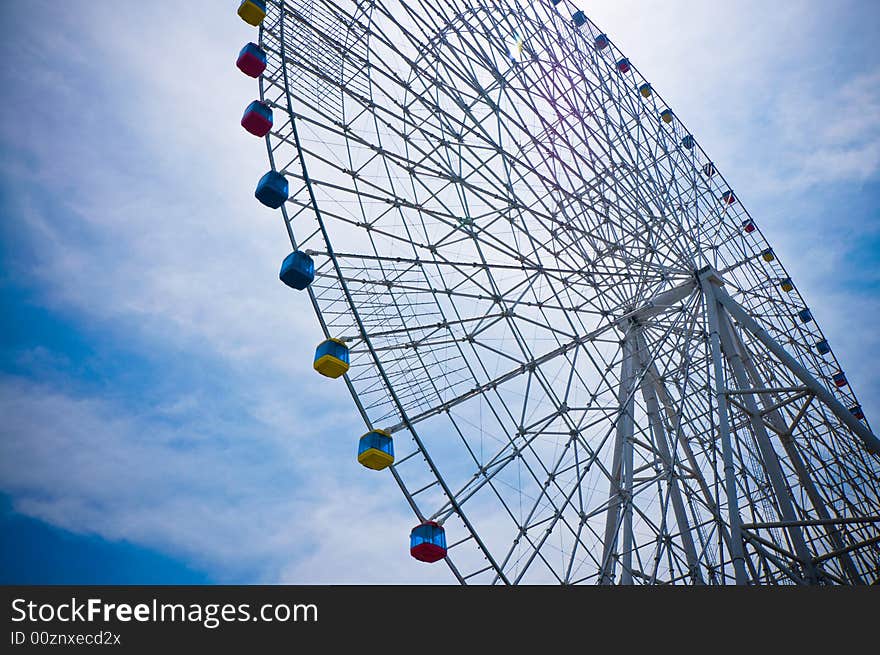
[[161, 422]]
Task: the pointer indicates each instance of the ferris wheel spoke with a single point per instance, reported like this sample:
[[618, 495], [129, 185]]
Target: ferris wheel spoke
[[488, 480], [440, 291], [558, 514], [551, 521], [522, 369], [486, 473]]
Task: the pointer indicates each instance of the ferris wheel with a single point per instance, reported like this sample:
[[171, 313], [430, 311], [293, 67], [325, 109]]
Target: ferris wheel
[[570, 344]]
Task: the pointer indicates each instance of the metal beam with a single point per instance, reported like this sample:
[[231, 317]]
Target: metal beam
[[872, 443], [652, 406], [778, 424], [734, 518], [769, 456], [837, 521], [673, 416], [620, 481]]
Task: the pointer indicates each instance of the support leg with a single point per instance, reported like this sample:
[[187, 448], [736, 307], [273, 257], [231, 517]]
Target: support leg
[[768, 454], [734, 518], [620, 487]]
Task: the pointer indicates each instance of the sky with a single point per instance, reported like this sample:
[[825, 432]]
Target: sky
[[160, 419]]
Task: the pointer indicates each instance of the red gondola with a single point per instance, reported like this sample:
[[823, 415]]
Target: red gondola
[[427, 542], [252, 60], [257, 118]]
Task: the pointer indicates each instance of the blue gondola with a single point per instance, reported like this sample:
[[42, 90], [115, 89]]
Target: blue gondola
[[272, 190], [805, 315], [601, 42], [252, 60], [297, 270], [823, 347], [688, 142], [709, 170], [427, 542], [376, 450], [332, 358], [579, 18], [257, 118]]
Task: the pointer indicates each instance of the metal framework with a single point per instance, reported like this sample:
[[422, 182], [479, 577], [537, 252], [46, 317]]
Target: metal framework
[[591, 373]]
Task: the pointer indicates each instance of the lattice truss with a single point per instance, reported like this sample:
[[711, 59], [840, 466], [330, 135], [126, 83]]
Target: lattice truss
[[510, 240]]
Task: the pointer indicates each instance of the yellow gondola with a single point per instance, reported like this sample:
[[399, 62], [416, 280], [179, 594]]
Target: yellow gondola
[[376, 450], [787, 285], [332, 358], [252, 12]]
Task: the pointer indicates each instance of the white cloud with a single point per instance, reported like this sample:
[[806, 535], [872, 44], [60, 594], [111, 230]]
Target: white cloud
[[265, 508], [158, 227]]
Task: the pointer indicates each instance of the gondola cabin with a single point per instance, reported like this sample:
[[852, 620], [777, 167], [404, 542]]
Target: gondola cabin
[[272, 190], [257, 118], [856, 411], [805, 315], [332, 358], [728, 198], [252, 12], [823, 347], [297, 270], [840, 380], [688, 142], [709, 170], [623, 66], [768, 255], [666, 115], [376, 450], [427, 542], [601, 42], [749, 226], [579, 18], [787, 285], [252, 60], [646, 90]]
